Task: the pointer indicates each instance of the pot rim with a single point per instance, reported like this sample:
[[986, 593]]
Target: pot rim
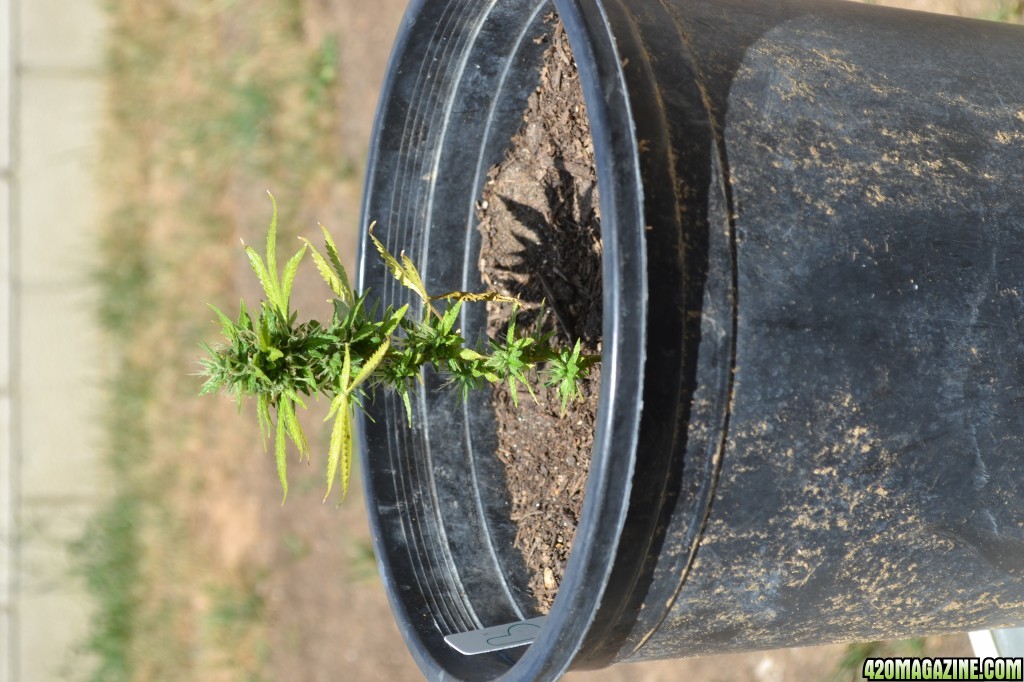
[[625, 291], [624, 272]]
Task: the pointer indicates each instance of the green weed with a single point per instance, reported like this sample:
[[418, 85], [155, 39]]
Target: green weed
[[108, 558], [851, 664], [362, 561], [273, 358], [1011, 11]]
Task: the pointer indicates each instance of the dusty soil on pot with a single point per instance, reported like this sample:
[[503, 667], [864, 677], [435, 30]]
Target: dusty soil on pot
[[540, 222]]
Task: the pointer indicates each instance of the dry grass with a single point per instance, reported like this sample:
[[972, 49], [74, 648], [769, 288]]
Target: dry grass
[[209, 104]]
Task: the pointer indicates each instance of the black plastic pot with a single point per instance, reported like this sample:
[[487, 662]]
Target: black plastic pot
[[812, 416]]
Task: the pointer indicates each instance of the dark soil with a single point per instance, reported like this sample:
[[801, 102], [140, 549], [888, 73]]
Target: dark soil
[[540, 222]]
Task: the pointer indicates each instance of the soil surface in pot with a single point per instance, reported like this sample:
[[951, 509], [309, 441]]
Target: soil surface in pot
[[540, 222]]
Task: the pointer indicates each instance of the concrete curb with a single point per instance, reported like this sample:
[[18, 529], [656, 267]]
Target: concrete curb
[[8, 475], [51, 106]]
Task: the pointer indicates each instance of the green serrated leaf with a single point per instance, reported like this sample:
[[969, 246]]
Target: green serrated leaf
[[345, 465], [332, 253], [407, 275], [245, 320], [279, 452], [529, 388], [333, 281], [413, 276], [346, 370], [450, 316], [272, 247], [263, 275], [470, 355], [389, 260], [211, 385], [489, 376], [370, 364], [259, 374], [295, 398], [403, 390], [290, 269], [336, 404], [287, 410], [510, 337], [393, 321], [340, 452], [263, 416], [227, 326]]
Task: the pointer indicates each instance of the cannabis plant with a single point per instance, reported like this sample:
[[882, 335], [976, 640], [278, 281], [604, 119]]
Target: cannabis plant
[[279, 361]]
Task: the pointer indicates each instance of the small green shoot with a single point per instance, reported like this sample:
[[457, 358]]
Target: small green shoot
[[272, 357]]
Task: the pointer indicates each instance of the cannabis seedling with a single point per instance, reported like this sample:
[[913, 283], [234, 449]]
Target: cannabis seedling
[[279, 361]]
